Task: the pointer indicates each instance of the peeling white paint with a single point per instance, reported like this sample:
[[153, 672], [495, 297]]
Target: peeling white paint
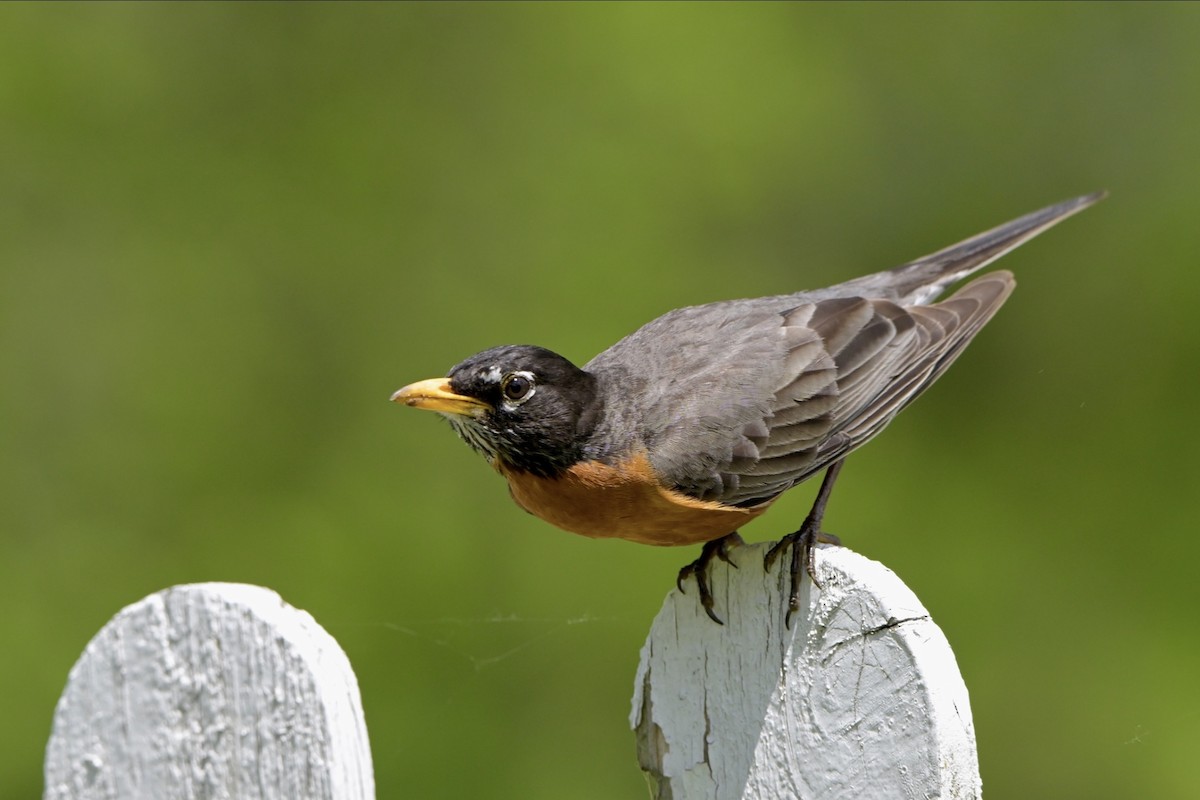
[[862, 698]]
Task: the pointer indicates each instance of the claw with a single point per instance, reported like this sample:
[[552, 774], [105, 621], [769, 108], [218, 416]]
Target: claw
[[699, 568], [804, 541]]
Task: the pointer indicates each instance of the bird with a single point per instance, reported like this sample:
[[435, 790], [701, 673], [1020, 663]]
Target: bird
[[694, 424]]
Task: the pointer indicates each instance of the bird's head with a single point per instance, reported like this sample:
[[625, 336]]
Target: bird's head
[[526, 407]]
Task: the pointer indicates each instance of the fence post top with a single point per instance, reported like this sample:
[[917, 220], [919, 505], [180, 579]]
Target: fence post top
[[861, 697], [210, 689]]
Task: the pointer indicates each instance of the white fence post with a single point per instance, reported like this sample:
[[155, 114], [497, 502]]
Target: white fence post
[[862, 698], [225, 691], [210, 691]]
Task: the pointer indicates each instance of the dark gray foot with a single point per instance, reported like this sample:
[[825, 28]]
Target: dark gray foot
[[803, 543], [720, 549]]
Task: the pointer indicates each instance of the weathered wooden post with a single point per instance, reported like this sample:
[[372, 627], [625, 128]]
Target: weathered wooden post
[[861, 698], [225, 691], [212, 690]]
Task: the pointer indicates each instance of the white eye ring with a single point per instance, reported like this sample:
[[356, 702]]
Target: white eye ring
[[517, 387]]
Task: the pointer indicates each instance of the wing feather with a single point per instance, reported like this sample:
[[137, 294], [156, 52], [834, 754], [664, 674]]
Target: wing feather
[[875, 357]]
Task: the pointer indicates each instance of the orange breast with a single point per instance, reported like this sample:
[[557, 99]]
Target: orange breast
[[625, 502]]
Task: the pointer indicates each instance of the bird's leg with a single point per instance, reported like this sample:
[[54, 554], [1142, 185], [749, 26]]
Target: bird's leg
[[804, 541], [719, 548]]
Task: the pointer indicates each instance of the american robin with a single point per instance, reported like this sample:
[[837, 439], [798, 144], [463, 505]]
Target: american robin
[[691, 426]]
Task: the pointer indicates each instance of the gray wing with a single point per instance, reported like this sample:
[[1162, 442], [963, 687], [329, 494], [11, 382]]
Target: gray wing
[[858, 362], [738, 404], [738, 401]]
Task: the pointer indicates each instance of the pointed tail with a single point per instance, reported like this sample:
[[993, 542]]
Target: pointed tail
[[922, 280]]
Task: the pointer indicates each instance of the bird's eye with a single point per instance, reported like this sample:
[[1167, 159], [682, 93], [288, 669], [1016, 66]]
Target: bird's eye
[[517, 386]]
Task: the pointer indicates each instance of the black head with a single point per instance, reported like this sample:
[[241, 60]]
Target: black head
[[525, 406]]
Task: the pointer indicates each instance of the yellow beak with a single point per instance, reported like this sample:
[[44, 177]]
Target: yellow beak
[[435, 395]]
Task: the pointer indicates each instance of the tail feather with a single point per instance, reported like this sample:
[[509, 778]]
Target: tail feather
[[919, 282]]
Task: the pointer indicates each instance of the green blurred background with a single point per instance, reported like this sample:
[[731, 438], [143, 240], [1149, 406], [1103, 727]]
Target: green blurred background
[[229, 232]]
